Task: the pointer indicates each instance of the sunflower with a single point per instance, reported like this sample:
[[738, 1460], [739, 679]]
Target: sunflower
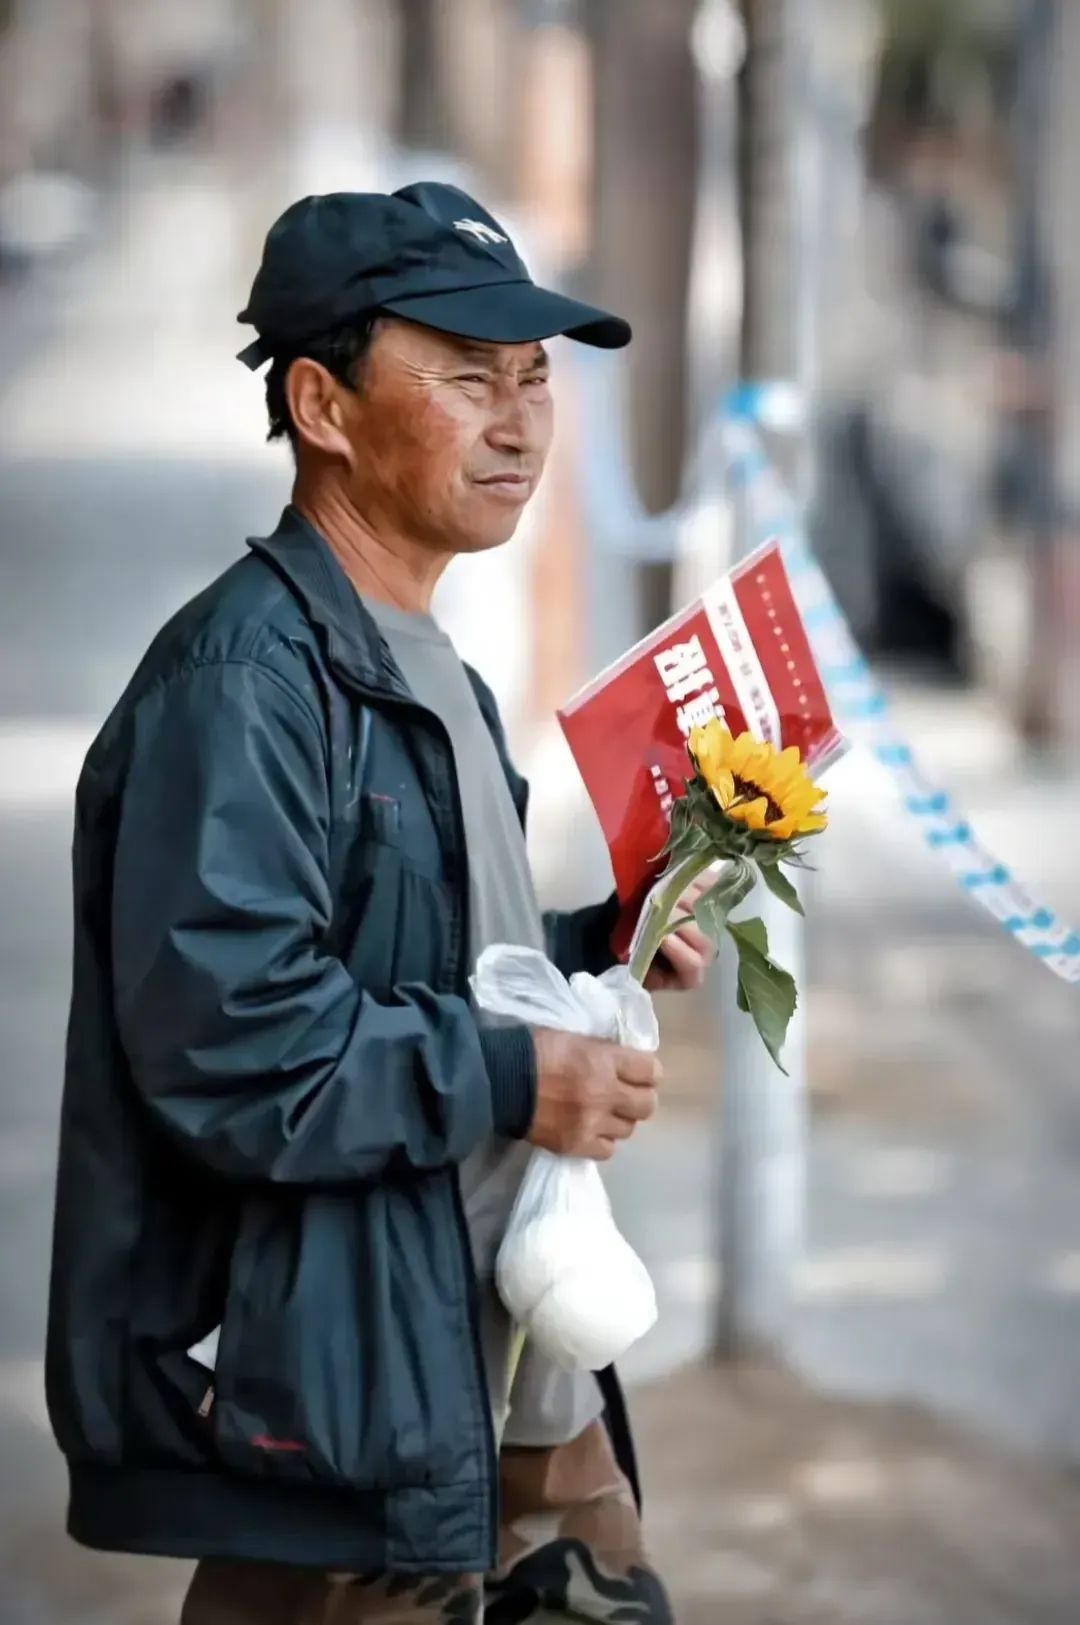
[[767, 790]]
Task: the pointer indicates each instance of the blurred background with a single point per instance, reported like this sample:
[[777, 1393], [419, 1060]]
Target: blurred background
[[877, 1416]]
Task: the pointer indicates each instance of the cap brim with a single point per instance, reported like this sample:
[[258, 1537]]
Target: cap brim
[[512, 313]]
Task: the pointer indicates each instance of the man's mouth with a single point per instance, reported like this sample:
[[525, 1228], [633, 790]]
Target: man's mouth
[[510, 484]]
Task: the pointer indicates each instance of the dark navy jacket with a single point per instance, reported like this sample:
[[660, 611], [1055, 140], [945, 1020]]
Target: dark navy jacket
[[273, 1071]]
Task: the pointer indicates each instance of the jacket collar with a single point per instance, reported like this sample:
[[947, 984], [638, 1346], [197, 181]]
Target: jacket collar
[[354, 644]]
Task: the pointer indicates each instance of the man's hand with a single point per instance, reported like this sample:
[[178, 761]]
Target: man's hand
[[590, 1094], [687, 954]]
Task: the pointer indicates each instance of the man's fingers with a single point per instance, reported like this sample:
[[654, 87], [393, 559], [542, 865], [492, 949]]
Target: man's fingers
[[638, 1066], [635, 1102], [691, 937], [601, 1148], [619, 1128], [687, 962], [615, 1128]]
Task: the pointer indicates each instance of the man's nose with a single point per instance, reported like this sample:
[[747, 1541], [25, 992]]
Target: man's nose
[[508, 429]]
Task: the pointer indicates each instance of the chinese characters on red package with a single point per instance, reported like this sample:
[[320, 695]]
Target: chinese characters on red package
[[685, 674]]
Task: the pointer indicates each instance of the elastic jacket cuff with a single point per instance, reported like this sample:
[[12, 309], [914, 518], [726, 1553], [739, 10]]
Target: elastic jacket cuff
[[510, 1058]]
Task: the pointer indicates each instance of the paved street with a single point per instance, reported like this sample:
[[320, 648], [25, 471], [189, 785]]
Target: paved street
[[771, 1503]]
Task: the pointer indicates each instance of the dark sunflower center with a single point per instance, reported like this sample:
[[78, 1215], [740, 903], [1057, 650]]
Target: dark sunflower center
[[747, 790]]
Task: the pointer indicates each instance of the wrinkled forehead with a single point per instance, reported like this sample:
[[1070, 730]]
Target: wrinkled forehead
[[426, 346]]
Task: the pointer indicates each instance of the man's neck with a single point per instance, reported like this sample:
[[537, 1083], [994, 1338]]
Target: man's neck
[[389, 568]]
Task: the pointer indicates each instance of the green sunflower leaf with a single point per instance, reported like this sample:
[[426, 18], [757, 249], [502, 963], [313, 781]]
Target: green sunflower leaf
[[680, 816], [754, 931], [685, 836], [780, 886], [713, 907], [767, 991], [794, 859], [687, 845], [700, 801]]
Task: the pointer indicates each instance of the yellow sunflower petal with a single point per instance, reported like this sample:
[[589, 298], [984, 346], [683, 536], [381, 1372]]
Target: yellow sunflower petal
[[742, 752], [790, 783], [777, 771], [797, 801], [807, 790], [720, 752], [722, 786], [710, 747], [750, 813]]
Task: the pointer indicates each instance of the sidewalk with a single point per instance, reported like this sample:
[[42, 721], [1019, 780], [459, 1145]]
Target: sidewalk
[[767, 1504]]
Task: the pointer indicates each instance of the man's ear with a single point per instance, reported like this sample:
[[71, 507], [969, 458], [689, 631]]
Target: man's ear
[[317, 409]]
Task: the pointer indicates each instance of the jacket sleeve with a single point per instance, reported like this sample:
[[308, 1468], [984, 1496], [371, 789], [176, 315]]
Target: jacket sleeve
[[251, 1044], [582, 940]]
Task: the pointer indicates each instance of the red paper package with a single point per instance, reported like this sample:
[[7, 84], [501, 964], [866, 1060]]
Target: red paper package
[[739, 652]]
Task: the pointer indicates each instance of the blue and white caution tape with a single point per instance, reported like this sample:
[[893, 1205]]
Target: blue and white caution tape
[[858, 699]]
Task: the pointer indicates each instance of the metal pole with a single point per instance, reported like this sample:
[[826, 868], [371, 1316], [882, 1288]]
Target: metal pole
[[762, 1119], [644, 81], [1032, 333]]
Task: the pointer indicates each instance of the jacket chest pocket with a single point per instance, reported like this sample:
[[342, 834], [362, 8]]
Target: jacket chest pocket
[[380, 796], [396, 918]]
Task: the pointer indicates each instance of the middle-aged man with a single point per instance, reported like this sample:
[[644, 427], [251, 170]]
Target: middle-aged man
[[290, 1142]]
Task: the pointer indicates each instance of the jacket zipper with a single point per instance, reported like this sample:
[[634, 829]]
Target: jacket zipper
[[472, 1292]]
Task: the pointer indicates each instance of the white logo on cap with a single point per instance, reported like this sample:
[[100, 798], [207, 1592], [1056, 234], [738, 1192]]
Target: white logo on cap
[[482, 233]]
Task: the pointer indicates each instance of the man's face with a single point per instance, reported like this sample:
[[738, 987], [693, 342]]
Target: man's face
[[449, 436]]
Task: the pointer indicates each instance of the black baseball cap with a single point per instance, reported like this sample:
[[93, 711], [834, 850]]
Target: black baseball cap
[[429, 253]]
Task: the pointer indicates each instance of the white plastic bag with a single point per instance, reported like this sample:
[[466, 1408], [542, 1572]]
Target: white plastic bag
[[565, 1274]]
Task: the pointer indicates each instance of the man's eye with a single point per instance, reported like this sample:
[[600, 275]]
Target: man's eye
[[537, 378], [472, 378]]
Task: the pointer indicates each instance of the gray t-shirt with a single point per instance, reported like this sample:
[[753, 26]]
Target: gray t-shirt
[[550, 1406]]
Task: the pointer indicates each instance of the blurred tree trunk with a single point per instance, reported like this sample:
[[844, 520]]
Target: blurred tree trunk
[[552, 146], [481, 76], [645, 188], [458, 84], [1030, 331], [768, 340], [423, 119], [1050, 700]]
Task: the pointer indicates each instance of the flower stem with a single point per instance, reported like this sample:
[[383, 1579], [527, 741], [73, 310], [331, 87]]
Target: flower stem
[[661, 906]]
